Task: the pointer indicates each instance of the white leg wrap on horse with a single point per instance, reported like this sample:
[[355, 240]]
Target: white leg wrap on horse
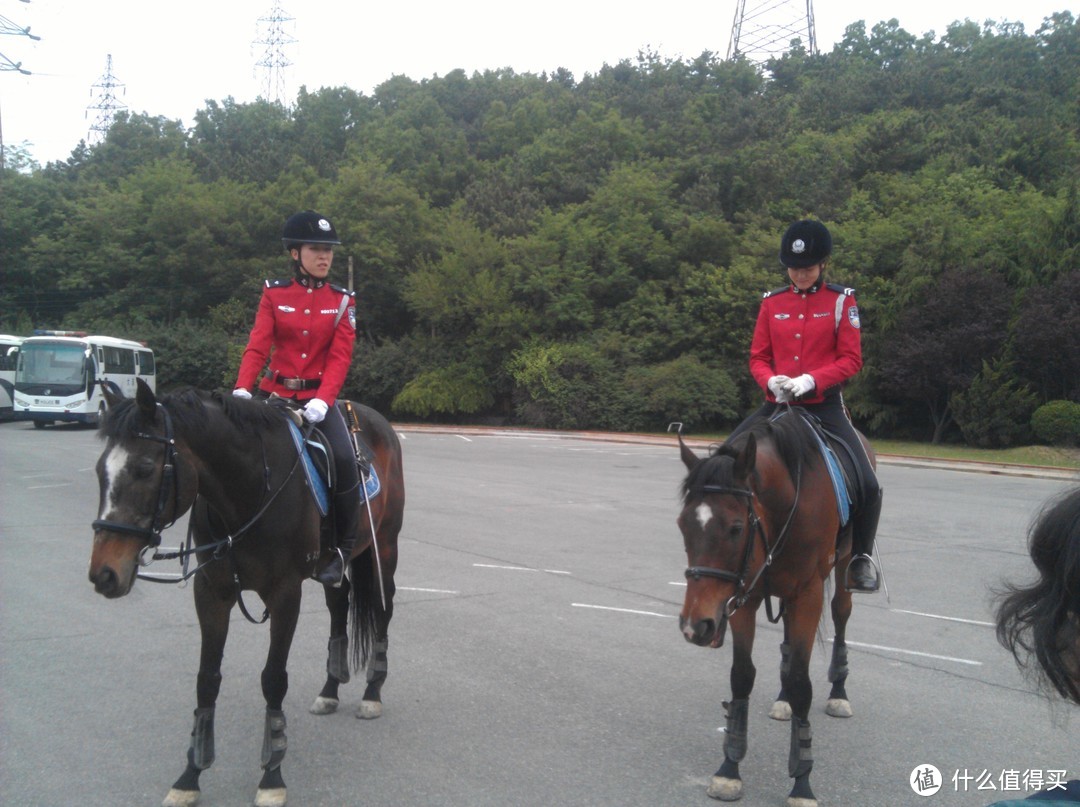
[[737, 720], [274, 740], [202, 739]]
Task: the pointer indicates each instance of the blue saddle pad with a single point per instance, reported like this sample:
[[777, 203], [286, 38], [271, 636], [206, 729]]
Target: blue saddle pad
[[840, 488], [314, 478]]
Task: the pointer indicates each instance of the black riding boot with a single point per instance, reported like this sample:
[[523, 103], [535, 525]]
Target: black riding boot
[[862, 573], [346, 523]]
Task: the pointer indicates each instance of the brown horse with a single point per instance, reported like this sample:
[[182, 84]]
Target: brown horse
[[760, 519], [256, 527]]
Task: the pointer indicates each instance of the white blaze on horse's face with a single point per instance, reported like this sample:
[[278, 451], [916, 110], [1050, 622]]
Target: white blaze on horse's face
[[114, 465], [704, 515]]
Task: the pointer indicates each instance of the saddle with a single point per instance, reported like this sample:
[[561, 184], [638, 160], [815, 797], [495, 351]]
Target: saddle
[[317, 459], [844, 470]]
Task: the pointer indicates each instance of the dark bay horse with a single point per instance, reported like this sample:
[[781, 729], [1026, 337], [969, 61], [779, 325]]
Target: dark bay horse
[[760, 519], [256, 527]]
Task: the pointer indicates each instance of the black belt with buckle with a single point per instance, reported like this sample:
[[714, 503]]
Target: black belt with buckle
[[296, 384]]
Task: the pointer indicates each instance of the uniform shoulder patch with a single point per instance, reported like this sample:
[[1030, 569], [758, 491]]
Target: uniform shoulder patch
[[777, 291], [845, 290], [279, 283], [342, 290]]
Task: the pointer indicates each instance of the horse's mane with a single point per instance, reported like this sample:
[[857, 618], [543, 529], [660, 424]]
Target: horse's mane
[[1042, 619], [188, 408], [793, 441]]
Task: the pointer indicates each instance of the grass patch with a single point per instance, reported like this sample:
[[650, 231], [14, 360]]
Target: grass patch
[[1020, 455]]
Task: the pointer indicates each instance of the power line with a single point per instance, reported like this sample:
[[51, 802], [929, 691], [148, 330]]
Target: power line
[[107, 103]]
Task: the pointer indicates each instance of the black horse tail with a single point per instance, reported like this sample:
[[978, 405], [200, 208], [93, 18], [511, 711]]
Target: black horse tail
[[364, 605]]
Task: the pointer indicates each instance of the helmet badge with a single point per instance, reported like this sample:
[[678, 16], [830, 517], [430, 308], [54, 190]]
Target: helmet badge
[[798, 246]]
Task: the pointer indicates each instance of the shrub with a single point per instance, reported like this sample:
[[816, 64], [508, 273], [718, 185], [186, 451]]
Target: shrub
[[1057, 423], [995, 411]]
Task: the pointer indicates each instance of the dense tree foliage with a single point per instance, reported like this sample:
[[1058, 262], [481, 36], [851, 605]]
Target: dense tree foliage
[[590, 253]]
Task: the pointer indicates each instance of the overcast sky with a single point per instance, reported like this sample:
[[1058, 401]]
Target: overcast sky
[[172, 58]]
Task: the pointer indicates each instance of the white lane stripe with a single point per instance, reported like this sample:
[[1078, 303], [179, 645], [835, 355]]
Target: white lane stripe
[[517, 568], [946, 618], [621, 610], [913, 653], [428, 590]]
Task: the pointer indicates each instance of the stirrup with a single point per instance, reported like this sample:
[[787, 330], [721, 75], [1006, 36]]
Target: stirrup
[[324, 576], [877, 576]]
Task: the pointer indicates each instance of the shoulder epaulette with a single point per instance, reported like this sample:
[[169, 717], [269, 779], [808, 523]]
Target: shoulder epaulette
[[342, 290], [279, 283], [777, 291], [845, 290]]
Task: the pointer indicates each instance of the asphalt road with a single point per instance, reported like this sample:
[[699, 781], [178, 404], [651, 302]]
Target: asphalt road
[[535, 657]]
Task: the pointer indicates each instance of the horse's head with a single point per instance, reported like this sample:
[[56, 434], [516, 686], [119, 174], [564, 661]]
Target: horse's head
[[717, 523], [144, 484]]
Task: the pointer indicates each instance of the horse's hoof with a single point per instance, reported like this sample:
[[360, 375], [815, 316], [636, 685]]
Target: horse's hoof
[[324, 706], [369, 710], [181, 798], [798, 801], [271, 797], [838, 707], [781, 710], [724, 789]]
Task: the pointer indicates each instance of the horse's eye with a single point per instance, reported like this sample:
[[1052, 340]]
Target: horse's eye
[[142, 469]]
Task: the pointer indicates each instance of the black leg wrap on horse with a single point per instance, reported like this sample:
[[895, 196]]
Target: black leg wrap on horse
[[202, 739], [337, 660], [838, 667], [801, 758], [738, 717], [377, 665], [274, 741]]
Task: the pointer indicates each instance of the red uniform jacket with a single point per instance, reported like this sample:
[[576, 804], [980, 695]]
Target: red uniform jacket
[[307, 332], [806, 332]]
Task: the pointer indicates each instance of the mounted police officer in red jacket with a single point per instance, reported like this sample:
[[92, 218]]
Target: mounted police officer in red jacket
[[306, 328], [807, 343]]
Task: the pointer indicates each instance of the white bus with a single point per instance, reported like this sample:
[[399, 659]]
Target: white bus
[[9, 354], [59, 375]]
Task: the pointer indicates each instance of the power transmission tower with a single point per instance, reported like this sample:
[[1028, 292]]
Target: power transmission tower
[[764, 29], [274, 38], [107, 103], [10, 28]]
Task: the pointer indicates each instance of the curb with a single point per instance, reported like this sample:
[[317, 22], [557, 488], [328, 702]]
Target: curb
[[963, 466]]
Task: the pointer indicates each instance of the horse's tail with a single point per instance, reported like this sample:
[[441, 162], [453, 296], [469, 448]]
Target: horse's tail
[[363, 602]]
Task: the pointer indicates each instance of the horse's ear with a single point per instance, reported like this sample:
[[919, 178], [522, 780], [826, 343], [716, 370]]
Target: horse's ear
[[144, 397], [689, 458], [744, 463]]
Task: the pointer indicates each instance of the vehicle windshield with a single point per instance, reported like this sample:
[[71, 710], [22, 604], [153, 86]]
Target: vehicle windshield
[[51, 364]]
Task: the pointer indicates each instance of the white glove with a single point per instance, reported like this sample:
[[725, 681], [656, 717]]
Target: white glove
[[776, 387], [801, 386], [315, 410], [240, 392]]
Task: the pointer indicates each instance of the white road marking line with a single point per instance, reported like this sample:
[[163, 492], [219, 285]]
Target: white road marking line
[[428, 590], [621, 610], [946, 618], [518, 568], [913, 653]]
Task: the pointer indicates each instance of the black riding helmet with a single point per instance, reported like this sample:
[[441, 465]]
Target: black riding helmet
[[308, 227], [805, 243]]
